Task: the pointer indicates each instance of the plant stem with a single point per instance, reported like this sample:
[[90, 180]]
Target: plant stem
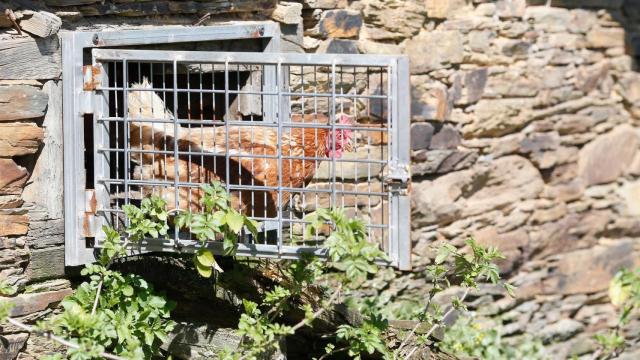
[[57, 339], [304, 321], [431, 330], [333, 352], [101, 283]]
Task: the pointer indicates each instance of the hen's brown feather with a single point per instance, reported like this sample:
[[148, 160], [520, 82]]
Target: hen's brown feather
[[252, 152]]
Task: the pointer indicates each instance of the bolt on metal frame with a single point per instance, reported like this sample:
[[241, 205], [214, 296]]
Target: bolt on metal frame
[[249, 93]]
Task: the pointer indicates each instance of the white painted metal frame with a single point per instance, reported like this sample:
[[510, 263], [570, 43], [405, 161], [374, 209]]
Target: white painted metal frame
[[77, 102]]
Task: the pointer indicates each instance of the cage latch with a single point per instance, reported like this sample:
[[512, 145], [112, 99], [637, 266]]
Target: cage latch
[[398, 178]]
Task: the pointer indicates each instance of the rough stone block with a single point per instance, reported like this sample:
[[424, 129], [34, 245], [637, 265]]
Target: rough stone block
[[421, 135], [21, 102], [13, 223], [11, 344], [386, 20], [338, 46], [46, 264], [511, 8], [600, 37], [341, 24], [19, 139], [287, 13], [443, 9], [430, 162], [12, 177], [604, 159], [25, 304], [434, 50]]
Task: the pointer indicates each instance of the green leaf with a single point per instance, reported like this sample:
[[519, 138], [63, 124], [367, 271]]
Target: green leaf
[[127, 290], [205, 257], [235, 220], [204, 271]]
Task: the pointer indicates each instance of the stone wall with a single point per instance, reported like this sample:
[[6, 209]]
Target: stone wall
[[524, 136]]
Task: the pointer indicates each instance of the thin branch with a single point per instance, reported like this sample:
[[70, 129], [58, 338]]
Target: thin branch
[[51, 336], [334, 352], [101, 283], [433, 328], [320, 311], [304, 321]]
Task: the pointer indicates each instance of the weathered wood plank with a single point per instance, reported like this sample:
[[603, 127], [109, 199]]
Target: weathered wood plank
[[30, 58], [12, 177], [19, 139], [21, 102], [12, 223], [41, 23], [44, 190]]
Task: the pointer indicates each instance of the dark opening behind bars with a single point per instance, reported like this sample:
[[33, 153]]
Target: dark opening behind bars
[[284, 137]]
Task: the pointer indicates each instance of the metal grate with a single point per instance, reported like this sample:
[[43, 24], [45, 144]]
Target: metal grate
[[285, 133]]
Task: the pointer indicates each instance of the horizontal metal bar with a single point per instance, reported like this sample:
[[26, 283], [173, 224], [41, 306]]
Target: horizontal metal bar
[[242, 92], [240, 156], [292, 125], [210, 57], [258, 218], [290, 252], [237, 187]]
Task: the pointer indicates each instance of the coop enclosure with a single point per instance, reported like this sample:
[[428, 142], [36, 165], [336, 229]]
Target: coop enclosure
[[285, 133]]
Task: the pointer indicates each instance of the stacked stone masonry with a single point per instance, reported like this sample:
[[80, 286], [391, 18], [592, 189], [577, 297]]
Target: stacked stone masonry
[[525, 135]]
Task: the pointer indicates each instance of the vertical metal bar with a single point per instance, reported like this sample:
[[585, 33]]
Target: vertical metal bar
[[127, 133], [226, 118], [75, 251], [403, 118], [176, 152], [332, 134], [279, 90]]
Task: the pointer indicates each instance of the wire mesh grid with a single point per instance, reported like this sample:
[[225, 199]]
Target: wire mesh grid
[[284, 136]]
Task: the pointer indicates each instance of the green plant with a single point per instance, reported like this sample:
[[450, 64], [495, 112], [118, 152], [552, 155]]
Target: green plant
[[217, 220], [150, 219], [118, 316], [469, 269], [113, 315], [115, 312], [624, 292], [467, 338]]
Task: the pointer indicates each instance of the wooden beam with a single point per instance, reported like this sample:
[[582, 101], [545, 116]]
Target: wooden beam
[[21, 102], [30, 58]]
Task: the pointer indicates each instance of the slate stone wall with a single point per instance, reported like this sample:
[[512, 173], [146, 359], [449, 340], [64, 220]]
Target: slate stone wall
[[524, 135]]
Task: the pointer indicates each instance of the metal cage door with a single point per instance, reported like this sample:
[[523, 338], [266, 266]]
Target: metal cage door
[[334, 127]]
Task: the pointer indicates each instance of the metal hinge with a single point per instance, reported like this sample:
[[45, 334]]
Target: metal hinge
[[91, 77]]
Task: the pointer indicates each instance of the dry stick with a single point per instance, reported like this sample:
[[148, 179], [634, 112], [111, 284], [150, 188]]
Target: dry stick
[[57, 339], [433, 328]]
